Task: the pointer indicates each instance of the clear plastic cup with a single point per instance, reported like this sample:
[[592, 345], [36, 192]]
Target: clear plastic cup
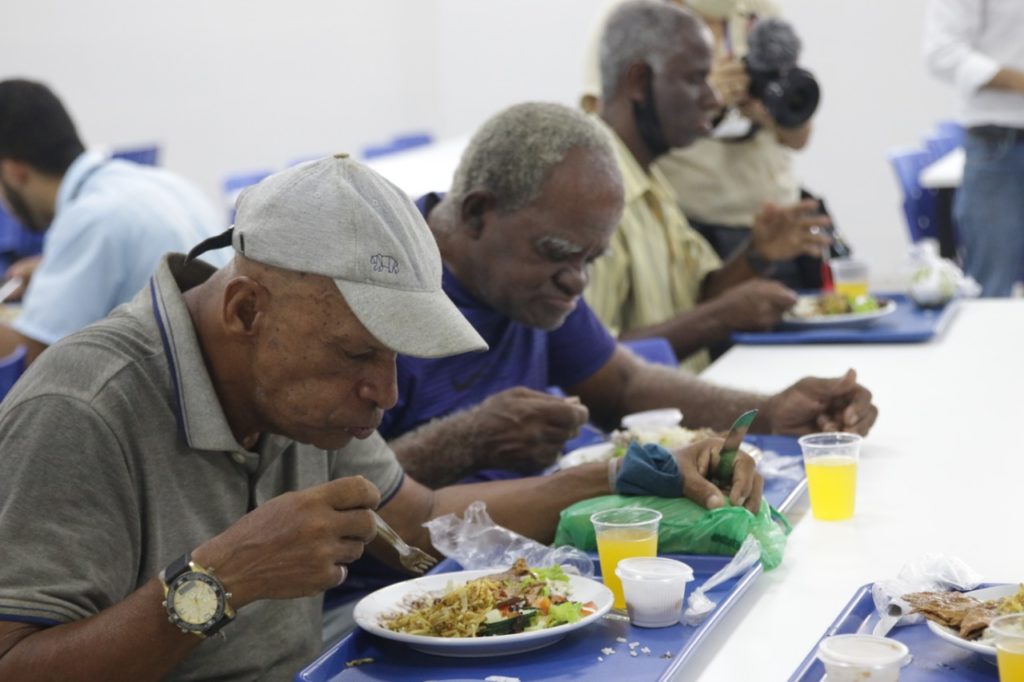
[[862, 658], [1009, 635], [831, 463], [622, 534], [655, 590], [849, 277]]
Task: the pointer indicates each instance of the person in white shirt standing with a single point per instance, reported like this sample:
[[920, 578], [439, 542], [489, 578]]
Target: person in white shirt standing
[[977, 46]]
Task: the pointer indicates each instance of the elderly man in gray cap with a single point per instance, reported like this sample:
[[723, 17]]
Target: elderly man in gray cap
[[205, 459]]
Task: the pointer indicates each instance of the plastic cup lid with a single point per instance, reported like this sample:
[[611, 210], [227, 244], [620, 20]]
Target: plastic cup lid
[[860, 650], [649, 419], [654, 569]]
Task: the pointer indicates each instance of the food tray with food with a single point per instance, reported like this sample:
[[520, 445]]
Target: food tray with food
[[934, 659], [781, 492], [609, 648], [907, 323]]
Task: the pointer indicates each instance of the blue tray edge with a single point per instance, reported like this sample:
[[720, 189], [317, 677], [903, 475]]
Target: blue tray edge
[[707, 626], [812, 658], [796, 337]]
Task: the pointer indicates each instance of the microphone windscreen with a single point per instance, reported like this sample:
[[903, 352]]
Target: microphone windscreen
[[772, 46]]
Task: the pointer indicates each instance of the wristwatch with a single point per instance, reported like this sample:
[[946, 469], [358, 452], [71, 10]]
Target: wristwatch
[[195, 599]]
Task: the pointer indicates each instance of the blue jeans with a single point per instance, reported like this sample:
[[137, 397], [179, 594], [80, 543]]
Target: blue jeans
[[989, 208]]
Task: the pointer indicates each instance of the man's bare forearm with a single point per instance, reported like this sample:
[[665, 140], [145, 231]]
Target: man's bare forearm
[[440, 452], [132, 640], [689, 331], [702, 403], [735, 271], [528, 506]]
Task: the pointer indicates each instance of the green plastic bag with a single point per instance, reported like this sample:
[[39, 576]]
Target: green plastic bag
[[685, 527]]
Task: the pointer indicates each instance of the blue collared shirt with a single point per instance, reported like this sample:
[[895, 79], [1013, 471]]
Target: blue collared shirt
[[113, 222]]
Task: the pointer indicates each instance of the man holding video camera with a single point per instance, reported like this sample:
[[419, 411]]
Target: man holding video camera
[[767, 104], [660, 277]]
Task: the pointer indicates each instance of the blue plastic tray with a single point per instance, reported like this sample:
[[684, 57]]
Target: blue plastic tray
[[909, 324], [573, 658], [934, 660]]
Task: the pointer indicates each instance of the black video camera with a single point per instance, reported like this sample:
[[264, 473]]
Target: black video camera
[[788, 92]]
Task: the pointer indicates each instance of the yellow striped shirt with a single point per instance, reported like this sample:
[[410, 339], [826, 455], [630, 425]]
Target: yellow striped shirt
[[656, 262]]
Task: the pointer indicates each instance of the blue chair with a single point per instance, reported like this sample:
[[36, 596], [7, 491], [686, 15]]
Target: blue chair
[[656, 350], [11, 368], [147, 156], [235, 183], [399, 143], [919, 204], [16, 241]]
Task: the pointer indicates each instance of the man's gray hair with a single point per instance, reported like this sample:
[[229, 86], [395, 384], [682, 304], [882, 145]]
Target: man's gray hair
[[640, 30], [513, 153]]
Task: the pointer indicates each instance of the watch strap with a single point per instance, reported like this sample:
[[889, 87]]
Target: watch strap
[[176, 568]]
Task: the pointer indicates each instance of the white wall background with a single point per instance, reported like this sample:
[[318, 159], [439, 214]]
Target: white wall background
[[235, 85]]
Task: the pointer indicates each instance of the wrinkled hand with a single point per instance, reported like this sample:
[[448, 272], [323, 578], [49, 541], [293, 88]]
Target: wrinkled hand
[[754, 305], [23, 268], [295, 545], [813, 405], [728, 78], [699, 460], [782, 233], [525, 430]]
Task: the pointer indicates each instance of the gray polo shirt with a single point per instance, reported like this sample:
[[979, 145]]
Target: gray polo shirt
[[116, 458]]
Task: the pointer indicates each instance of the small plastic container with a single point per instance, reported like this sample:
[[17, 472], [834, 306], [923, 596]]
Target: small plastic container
[[653, 419], [655, 589], [862, 658]]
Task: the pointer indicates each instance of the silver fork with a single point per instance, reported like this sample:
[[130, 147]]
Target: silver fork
[[413, 558]]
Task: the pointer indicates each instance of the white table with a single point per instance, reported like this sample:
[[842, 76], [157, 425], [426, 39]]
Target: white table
[[941, 472], [424, 169]]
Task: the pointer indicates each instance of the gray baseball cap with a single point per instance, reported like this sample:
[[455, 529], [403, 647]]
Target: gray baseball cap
[[336, 217]]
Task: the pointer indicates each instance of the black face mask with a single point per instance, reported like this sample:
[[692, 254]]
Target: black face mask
[[19, 209], [645, 116]]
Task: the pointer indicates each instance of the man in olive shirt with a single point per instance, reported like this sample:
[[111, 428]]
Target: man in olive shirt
[[660, 277]]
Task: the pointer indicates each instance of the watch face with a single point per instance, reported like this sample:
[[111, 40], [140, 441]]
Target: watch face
[[196, 600]]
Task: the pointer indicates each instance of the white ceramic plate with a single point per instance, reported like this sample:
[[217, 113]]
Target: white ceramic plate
[[388, 600], [954, 638], [792, 321]]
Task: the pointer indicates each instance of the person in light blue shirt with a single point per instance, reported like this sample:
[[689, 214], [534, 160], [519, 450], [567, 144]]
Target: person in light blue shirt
[[107, 222]]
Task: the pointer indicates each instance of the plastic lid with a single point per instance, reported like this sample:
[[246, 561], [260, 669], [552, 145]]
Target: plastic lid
[[668, 416], [653, 568], [862, 650]]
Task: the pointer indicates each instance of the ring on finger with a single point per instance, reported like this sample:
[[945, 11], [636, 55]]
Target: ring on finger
[[344, 573]]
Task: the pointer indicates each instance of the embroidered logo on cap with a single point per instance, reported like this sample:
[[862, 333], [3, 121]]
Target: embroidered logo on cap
[[382, 263]]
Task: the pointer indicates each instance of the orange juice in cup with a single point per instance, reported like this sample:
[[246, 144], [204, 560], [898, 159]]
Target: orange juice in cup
[[623, 534], [831, 463], [849, 278], [832, 482], [1009, 635]]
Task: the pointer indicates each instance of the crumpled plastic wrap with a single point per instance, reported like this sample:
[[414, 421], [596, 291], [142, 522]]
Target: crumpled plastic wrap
[[698, 605], [934, 280], [476, 541], [774, 465], [929, 573]]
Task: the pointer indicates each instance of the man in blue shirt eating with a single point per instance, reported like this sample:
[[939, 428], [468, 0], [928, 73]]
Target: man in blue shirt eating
[[534, 201]]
